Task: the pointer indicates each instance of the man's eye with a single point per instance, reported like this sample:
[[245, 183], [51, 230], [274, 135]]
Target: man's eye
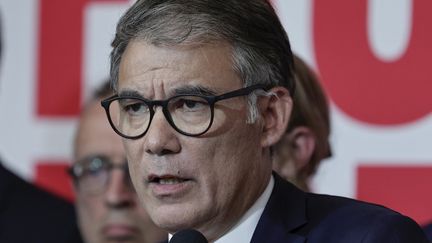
[[137, 108], [191, 104], [96, 164]]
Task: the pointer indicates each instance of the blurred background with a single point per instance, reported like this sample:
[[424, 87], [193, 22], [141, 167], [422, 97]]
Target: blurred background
[[373, 57]]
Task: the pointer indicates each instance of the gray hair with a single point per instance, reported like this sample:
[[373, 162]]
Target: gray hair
[[261, 51]]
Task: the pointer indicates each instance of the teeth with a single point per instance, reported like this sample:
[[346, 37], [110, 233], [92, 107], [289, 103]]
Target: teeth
[[169, 181]]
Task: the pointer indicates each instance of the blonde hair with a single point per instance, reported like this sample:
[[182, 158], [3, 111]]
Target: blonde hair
[[310, 110]]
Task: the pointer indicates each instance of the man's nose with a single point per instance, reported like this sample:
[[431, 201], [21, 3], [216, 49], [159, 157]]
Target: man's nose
[[119, 192], [161, 138]]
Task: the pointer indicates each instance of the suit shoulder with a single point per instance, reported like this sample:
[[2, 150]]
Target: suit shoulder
[[321, 205], [352, 219], [27, 208], [428, 230]]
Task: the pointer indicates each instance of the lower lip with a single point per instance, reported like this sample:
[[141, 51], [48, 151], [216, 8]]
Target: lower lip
[[171, 190], [119, 231]]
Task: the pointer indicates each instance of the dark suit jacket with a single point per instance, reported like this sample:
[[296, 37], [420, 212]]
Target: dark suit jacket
[[31, 215], [428, 230], [292, 215]]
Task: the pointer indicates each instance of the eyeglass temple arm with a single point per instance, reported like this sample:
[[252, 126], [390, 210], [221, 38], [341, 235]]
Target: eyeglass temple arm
[[240, 92]]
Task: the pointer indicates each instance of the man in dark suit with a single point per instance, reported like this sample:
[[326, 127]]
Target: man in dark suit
[[203, 92], [29, 214]]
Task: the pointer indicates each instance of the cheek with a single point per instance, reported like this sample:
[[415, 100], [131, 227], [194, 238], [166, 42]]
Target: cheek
[[133, 148], [239, 152], [90, 216], [225, 157], [238, 146], [90, 208], [133, 156], [143, 215]]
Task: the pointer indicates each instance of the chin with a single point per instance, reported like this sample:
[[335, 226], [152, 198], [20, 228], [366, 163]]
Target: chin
[[175, 218]]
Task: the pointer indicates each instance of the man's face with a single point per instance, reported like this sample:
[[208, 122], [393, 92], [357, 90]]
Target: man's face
[[205, 182], [113, 214]]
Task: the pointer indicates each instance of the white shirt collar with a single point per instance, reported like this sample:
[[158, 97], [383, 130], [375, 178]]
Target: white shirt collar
[[244, 229]]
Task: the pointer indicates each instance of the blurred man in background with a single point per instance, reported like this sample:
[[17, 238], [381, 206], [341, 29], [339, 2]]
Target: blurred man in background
[[29, 214], [107, 206], [305, 143]]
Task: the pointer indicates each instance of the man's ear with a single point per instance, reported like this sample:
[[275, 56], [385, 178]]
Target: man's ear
[[276, 111], [302, 143]]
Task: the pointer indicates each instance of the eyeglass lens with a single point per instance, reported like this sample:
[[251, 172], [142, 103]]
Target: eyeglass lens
[[96, 174], [190, 114]]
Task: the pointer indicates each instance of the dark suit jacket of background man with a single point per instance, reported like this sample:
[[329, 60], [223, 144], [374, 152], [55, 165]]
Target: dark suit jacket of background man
[[29, 214], [292, 215], [428, 231]]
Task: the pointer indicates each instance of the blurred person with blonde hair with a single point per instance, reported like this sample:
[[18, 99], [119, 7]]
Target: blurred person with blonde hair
[[305, 143]]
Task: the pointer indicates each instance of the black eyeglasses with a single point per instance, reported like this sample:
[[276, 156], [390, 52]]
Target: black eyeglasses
[[91, 174], [190, 115]]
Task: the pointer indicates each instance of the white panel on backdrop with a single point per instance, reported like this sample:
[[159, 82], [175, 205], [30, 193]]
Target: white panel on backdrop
[[100, 23], [296, 17], [18, 72], [389, 27]]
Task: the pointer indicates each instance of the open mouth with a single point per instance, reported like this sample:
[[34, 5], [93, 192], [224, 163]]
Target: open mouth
[[166, 179]]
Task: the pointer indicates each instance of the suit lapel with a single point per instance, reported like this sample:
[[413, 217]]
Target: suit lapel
[[285, 211]]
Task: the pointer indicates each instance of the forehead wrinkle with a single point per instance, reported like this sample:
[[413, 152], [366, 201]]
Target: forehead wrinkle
[[146, 84], [204, 55]]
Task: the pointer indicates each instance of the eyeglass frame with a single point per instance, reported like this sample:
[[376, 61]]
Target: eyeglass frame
[[211, 100], [76, 175]]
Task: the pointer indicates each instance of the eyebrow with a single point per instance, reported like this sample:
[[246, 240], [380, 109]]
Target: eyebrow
[[130, 93], [193, 90], [183, 90]]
